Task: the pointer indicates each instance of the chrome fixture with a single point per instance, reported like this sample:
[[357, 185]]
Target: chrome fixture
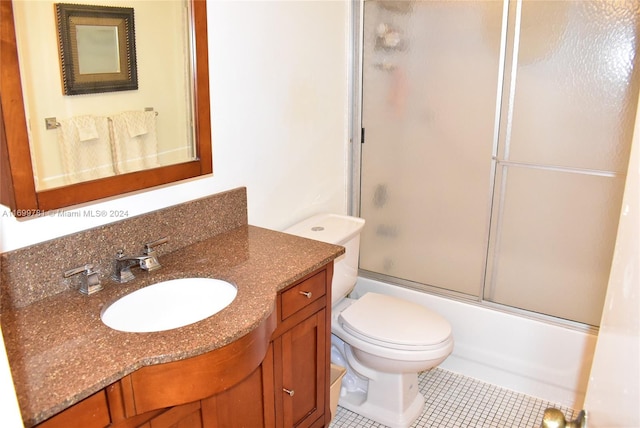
[[89, 280], [147, 261]]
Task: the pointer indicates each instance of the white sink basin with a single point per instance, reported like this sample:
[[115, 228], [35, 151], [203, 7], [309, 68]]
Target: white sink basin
[[169, 304]]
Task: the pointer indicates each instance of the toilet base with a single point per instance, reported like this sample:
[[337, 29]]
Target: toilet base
[[391, 400]]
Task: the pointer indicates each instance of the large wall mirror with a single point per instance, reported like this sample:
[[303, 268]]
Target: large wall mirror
[[59, 149]]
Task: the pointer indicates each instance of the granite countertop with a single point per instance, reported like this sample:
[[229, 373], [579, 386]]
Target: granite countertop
[[60, 352]]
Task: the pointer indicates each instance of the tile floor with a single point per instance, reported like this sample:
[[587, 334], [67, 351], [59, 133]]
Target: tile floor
[[456, 401]]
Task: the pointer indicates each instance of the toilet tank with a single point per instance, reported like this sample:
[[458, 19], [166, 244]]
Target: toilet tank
[[339, 230]]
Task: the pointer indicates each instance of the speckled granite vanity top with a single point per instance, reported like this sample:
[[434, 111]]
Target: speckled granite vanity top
[[60, 351]]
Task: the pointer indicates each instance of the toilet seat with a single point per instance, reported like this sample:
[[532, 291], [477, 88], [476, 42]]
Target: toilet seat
[[394, 323]]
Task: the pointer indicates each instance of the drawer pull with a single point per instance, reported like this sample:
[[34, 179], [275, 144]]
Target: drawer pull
[[289, 391], [306, 293]]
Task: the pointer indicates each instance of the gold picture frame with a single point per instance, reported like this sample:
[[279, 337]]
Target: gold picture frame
[[97, 48]]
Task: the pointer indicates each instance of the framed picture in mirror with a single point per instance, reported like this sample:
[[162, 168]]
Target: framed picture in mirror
[[97, 48]]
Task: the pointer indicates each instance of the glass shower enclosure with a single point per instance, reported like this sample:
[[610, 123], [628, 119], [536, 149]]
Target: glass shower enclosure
[[496, 142]]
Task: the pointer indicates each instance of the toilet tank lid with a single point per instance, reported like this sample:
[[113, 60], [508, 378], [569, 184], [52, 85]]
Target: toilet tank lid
[[331, 228]]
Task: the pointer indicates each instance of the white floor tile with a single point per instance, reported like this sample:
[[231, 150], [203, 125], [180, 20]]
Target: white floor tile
[[456, 401]]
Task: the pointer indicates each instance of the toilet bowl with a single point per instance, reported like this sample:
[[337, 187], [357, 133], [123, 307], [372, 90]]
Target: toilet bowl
[[383, 341], [386, 342]]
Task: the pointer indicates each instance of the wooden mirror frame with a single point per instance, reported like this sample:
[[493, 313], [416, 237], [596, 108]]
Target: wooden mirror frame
[[17, 184]]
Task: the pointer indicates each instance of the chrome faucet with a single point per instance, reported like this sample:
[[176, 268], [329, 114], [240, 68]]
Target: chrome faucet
[[147, 261]]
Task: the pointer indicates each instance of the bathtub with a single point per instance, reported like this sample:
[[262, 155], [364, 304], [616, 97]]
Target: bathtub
[[530, 356]]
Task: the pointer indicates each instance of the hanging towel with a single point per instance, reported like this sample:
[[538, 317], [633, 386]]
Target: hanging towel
[[136, 123], [133, 135], [86, 149], [86, 126]]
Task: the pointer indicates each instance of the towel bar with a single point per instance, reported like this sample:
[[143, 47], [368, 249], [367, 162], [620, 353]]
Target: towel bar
[[52, 123]]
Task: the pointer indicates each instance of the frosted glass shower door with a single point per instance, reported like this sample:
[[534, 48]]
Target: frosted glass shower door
[[431, 79], [497, 137], [564, 148]]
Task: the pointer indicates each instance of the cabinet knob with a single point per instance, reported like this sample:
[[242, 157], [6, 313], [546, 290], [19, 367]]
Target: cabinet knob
[[306, 293], [289, 391]]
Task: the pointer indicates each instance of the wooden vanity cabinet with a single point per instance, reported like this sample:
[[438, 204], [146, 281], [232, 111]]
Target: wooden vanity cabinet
[[92, 412], [301, 353], [241, 406], [277, 376], [183, 416]]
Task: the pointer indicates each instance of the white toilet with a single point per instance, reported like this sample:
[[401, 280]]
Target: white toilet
[[383, 341]]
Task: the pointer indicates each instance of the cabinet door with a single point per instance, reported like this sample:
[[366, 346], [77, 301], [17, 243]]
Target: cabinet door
[[303, 368], [241, 406]]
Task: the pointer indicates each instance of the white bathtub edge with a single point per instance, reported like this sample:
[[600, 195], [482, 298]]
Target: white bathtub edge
[[524, 355]]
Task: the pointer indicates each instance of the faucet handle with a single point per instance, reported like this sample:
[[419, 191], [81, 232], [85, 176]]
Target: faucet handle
[[149, 247], [90, 281], [86, 268]]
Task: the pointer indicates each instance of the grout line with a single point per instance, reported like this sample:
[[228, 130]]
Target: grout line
[[455, 401]]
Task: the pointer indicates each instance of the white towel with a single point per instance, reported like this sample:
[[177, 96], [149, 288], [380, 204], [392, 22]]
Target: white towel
[[86, 148], [135, 146], [136, 123], [86, 126]]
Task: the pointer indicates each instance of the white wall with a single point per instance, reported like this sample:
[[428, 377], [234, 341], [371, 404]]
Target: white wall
[[614, 385], [279, 117]]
